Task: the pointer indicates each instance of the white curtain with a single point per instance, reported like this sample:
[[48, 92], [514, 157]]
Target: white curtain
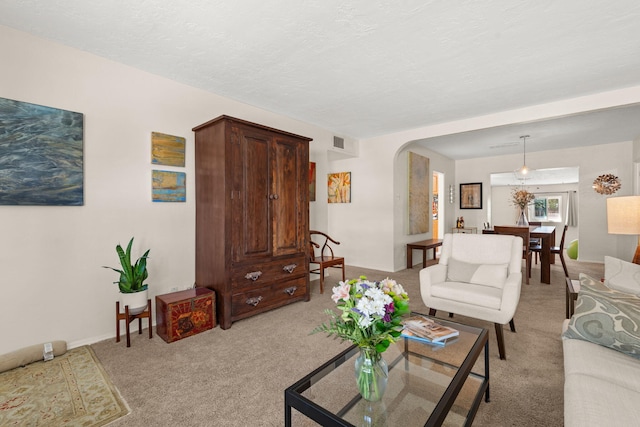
[[572, 210]]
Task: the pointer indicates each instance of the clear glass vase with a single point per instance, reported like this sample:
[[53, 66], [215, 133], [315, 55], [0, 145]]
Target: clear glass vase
[[372, 374], [374, 414], [522, 219]]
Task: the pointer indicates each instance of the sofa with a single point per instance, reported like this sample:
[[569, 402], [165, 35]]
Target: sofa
[[601, 346]]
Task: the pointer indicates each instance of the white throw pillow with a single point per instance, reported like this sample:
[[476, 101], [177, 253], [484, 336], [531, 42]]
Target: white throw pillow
[[493, 275], [621, 275]]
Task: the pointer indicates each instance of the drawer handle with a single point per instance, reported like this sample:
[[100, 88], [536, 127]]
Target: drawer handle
[[289, 268], [254, 301], [253, 275], [292, 290]]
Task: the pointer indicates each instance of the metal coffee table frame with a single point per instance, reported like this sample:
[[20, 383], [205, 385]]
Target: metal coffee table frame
[[295, 399]]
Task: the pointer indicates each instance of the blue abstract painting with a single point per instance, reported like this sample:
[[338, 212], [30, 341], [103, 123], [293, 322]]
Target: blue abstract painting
[[167, 186], [41, 155]]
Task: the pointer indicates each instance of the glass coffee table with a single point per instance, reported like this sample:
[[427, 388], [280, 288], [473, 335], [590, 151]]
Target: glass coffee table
[[428, 385]]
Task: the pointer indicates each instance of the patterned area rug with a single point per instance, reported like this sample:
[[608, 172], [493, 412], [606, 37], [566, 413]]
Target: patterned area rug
[[71, 389]]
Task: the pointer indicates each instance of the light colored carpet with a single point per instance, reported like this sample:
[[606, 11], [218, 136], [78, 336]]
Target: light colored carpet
[[70, 390], [237, 377]]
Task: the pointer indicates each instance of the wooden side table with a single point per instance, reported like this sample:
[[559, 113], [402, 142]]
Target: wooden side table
[[572, 289], [422, 245], [467, 230], [128, 318]]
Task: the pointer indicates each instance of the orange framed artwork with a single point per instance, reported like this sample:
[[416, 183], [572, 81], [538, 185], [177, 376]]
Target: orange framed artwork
[[339, 187], [312, 181]]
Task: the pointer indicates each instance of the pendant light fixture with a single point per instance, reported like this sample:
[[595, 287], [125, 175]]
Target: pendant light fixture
[[524, 172]]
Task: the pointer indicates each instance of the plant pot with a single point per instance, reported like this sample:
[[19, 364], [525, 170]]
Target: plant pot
[[137, 301]]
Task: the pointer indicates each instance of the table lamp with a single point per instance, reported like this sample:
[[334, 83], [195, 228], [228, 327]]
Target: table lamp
[[623, 217]]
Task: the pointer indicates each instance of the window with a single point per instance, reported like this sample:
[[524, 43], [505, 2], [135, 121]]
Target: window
[[546, 209]]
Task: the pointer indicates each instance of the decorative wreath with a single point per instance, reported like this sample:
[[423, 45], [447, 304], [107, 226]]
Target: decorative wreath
[[606, 184]]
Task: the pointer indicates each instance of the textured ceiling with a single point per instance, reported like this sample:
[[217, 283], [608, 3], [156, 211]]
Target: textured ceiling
[[361, 68]]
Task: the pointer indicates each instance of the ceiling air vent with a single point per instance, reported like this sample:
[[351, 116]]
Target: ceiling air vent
[[338, 142]]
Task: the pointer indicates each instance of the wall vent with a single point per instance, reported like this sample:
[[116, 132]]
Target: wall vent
[[338, 142]]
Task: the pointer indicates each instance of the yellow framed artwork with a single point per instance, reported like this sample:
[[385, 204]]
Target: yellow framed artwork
[[339, 187], [167, 150]]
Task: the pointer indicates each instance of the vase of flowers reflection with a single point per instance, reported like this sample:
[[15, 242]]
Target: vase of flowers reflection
[[522, 198], [370, 317]]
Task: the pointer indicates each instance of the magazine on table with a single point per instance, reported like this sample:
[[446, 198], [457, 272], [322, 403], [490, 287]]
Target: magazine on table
[[424, 329]]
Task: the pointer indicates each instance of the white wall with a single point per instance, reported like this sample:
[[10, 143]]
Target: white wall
[[52, 286], [371, 240], [503, 212], [437, 163], [372, 228], [594, 241], [365, 225], [51, 283]]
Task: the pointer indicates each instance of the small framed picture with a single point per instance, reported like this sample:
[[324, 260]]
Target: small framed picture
[[471, 195]]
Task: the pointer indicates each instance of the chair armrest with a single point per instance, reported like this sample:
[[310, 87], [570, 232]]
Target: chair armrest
[[510, 296], [433, 274]]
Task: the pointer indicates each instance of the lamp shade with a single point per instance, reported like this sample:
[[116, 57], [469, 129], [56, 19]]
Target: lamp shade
[[623, 215]]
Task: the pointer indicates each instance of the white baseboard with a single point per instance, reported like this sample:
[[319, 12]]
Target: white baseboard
[[93, 340]]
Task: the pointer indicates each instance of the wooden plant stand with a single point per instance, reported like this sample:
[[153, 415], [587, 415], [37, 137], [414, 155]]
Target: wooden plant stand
[[128, 318]]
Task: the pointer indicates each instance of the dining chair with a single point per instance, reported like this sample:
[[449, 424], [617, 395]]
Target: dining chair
[[558, 250], [535, 241], [325, 258], [526, 246]]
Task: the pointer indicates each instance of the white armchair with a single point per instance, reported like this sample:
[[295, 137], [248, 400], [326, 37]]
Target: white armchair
[[479, 276]]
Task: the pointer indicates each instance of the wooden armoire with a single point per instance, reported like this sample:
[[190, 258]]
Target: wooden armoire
[[252, 216]]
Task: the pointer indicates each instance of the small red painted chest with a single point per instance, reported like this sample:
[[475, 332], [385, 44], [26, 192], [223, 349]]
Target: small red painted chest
[[185, 313]]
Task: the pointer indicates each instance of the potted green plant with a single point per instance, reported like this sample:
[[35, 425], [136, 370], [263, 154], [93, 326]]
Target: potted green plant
[[133, 290]]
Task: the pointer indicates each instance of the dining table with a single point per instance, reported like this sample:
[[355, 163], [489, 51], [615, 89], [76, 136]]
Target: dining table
[[547, 236]]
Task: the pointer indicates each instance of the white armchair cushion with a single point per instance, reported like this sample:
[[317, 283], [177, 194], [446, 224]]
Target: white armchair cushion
[[469, 293], [493, 275], [621, 275]]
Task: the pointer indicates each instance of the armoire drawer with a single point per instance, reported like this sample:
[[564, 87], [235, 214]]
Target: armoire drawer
[[270, 296], [254, 275]]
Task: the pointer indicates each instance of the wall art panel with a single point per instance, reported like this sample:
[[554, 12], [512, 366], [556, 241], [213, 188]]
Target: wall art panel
[[168, 186], [419, 206], [312, 181], [41, 155], [167, 150], [339, 187]]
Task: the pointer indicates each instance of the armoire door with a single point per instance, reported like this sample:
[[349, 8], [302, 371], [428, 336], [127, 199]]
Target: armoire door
[[290, 188], [251, 233]]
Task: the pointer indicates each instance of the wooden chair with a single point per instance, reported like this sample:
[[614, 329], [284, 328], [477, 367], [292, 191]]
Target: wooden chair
[[558, 250], [326, 258], [526, 245], [535, 241]]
